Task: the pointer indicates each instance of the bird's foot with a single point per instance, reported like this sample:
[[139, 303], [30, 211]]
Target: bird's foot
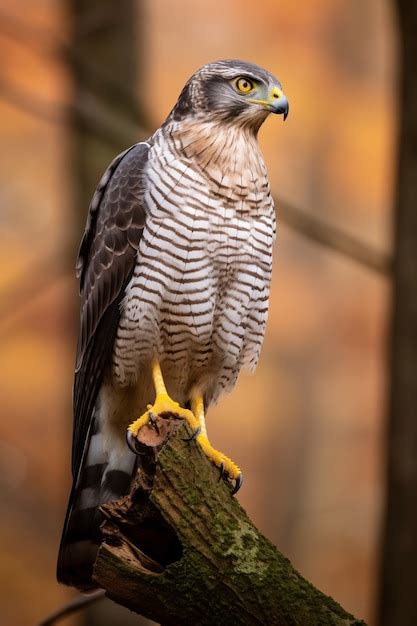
[[226, 465], [164, 406]]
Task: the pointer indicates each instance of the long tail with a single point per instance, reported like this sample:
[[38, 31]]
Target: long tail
[[101, 479]]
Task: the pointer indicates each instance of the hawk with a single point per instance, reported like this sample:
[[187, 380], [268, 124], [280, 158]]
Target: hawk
[[174, 269]]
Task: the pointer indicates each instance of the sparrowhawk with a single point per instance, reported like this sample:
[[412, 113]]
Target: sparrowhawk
[[174, 268]]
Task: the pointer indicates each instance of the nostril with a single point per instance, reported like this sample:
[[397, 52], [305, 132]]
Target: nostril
[[276, 95]]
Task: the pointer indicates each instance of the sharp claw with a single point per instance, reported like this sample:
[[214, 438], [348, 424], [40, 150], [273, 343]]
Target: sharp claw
[[131, 441], [238, 484], [194, 435], [222, 472], [153, 423]]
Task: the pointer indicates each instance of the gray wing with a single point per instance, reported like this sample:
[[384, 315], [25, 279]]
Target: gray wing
[[105, 264]]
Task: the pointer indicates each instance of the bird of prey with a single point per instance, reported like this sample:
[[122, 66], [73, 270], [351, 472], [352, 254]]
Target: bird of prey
[[174, 268]]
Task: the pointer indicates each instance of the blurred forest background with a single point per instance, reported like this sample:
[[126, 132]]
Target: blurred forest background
[[81, 80]]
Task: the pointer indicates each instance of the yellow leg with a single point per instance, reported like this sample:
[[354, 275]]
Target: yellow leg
[[163, 404], [218, 458]]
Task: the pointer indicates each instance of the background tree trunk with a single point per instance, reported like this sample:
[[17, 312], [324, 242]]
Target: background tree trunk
[[105, 62], [398, 600]]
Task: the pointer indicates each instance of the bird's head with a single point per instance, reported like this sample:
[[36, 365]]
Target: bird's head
[[231, 91]]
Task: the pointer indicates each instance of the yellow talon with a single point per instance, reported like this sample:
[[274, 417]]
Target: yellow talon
[[135, 427], [163, 404], [219, 459], [226, 465], [196, 419]]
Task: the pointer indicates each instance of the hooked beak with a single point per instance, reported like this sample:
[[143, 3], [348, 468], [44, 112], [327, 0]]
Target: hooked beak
[[278, 103]]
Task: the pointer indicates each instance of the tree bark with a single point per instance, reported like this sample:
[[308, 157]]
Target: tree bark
[[398, 598], [180, 549]]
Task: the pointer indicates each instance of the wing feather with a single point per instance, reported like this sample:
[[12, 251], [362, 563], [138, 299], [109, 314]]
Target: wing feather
[[105, 264]]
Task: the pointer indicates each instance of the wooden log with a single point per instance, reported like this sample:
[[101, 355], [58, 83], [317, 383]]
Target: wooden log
[[180, 549]]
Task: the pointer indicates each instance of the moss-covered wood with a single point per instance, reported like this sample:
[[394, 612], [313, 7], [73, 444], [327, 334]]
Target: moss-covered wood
[[181, 550]]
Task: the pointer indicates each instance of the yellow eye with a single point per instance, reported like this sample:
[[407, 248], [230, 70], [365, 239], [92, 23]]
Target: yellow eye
[[244, 85]]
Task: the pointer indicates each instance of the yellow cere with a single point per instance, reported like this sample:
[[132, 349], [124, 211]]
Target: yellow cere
[[244, 85], [276, 93]]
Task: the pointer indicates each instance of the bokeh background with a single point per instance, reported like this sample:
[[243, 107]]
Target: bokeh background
[[307, 428]]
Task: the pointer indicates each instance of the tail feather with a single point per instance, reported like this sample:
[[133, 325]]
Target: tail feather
[[101, 478]]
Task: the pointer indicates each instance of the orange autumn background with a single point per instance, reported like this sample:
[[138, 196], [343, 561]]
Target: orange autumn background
[[307, 428]]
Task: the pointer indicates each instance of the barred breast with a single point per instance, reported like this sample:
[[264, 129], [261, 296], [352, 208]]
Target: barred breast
[[198, 298]]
